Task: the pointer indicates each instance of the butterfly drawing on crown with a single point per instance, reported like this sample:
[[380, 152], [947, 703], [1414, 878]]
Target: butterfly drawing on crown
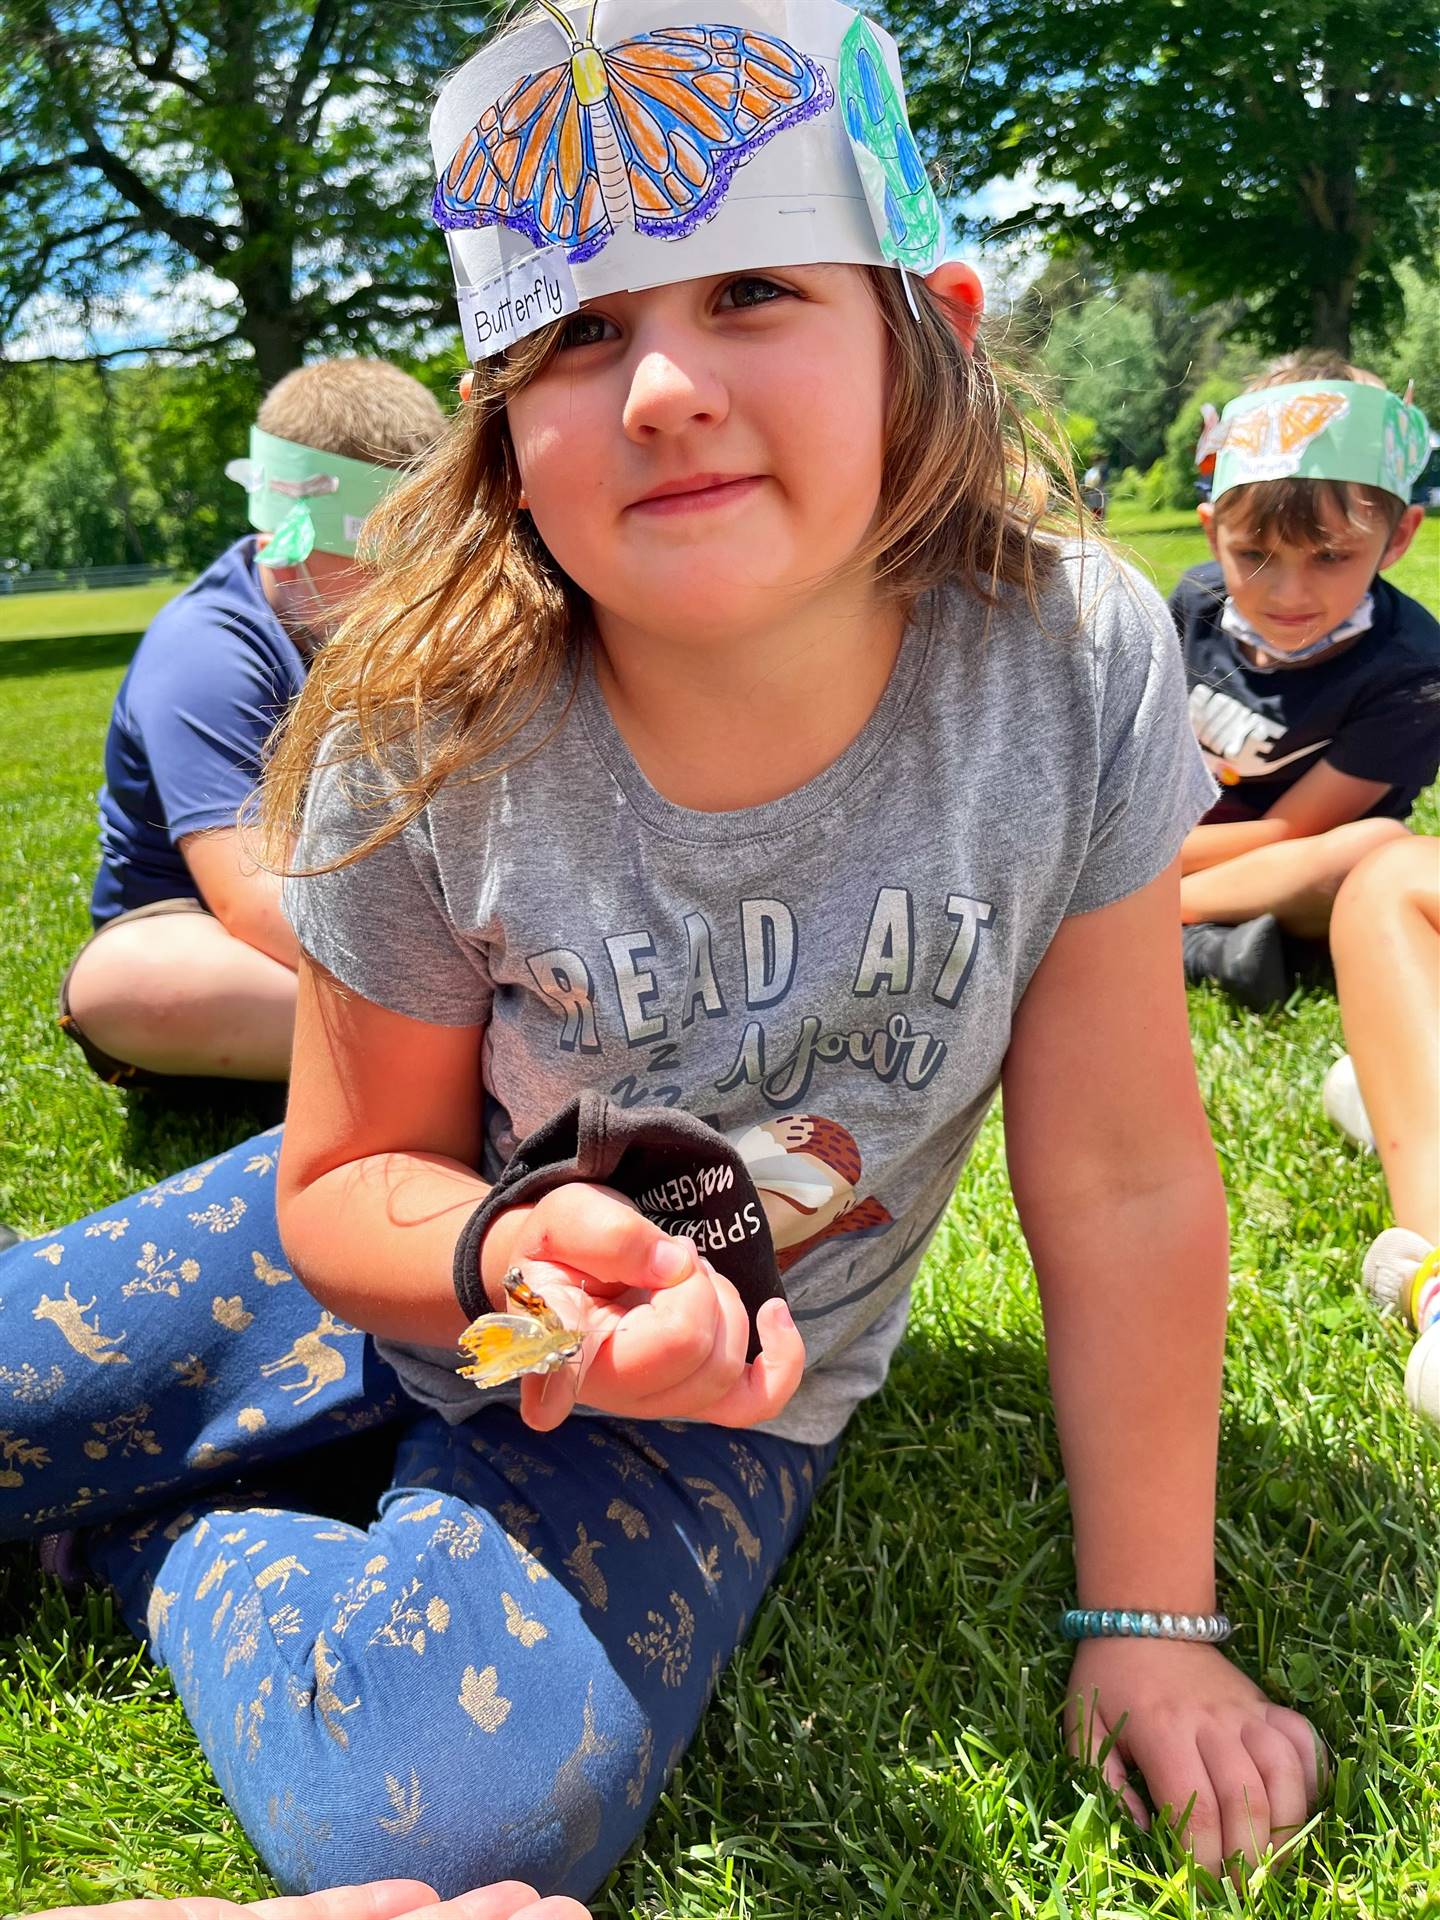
[[644, 133], [1269, 440]]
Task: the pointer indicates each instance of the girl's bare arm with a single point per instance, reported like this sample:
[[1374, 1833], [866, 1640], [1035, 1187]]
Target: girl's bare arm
[[1116, 1181]]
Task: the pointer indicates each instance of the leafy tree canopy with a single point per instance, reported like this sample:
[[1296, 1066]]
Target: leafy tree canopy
[[1282, 150], [278, 146]]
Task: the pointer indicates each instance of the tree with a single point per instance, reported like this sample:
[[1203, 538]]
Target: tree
[[1412, 350], [1105, 362], [278, 146], [1282, 150]]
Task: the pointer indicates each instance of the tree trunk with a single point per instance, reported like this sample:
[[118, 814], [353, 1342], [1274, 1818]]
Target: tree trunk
[[277, 343], [1330, 309]]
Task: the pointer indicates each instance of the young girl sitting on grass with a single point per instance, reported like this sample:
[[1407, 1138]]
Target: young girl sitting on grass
[[725, 789]]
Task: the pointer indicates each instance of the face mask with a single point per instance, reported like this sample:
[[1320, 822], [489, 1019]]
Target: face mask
[[1239, 628]]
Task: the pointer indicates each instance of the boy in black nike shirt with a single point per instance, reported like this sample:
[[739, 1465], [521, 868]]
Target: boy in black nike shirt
[[1314, 684]]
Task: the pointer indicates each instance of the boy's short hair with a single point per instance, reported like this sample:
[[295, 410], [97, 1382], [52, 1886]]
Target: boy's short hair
[[360, 409], [1302, 513]]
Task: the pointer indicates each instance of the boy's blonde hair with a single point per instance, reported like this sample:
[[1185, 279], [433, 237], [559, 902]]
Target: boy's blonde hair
[[469, 624], [1302, 513], [360, 409]]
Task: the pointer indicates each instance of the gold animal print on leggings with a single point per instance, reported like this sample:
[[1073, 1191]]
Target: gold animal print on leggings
[[581, 1562], [482, 1699], [572, 1803], [319, 1366], [746, 1540], [528, 1632], [68, 1315]]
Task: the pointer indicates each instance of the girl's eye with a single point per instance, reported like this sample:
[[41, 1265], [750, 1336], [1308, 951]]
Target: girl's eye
[[584, 330], [752, 291], [1332, 559]]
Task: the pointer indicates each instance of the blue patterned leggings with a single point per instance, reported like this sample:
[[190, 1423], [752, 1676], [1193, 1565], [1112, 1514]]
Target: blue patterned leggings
[[490, 1679]]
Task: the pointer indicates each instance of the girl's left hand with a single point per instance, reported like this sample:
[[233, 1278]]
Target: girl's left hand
[[1202, 1736]]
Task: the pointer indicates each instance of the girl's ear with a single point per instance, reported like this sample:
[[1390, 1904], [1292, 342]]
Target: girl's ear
[[957, 286]]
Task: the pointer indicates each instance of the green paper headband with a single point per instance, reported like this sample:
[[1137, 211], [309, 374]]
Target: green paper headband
[[1321, 430], [307, 499]]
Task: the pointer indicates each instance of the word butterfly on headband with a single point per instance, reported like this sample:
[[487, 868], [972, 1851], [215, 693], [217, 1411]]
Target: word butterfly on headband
[[645, 133]]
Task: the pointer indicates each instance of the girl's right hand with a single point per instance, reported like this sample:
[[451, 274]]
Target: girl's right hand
[[665, 1334]]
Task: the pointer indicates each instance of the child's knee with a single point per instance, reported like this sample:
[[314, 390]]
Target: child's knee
[[449, 1816], [1396, 866]]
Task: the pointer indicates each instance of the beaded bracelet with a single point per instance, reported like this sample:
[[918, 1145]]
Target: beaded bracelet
[[1092, 1623]]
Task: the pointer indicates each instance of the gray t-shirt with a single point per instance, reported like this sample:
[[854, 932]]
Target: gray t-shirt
[[828, 978]]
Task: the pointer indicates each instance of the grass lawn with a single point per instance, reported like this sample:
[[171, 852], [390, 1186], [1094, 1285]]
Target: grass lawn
[[885, 1743]]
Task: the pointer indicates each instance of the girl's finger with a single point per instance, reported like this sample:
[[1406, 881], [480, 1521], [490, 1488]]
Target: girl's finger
[[1279, 1767], [1093, 1743], [375, 1900], [1240, 1791], [504, 1900], [1180, 1788], [660, 1345], [766, 1385], [1310, 1748], [601, 1234], [704, 1389]]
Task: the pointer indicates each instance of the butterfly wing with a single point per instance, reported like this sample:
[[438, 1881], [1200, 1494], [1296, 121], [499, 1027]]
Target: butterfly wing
[[1305, 417], [528, 163], [502, 1346], [691, 104], [1248, 434]]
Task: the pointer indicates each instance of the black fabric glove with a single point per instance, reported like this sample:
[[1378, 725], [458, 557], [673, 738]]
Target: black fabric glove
[[677, 1171]]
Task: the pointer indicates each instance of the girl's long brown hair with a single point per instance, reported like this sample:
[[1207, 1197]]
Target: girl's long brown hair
[[468, 625]]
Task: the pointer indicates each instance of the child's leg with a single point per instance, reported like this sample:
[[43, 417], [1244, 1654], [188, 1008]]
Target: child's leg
[[1296, 880], [176, 994], [492, 1681], [1385, 938], [163, 1345]]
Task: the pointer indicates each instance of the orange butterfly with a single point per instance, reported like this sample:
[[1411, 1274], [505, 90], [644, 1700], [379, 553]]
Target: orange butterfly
[[645, 133], [1275, 434], [502, 1346]]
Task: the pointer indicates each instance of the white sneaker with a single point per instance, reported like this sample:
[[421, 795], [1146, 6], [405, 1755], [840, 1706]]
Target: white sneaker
[[1422, 1375], [1344, 1107], [1390, 1268]]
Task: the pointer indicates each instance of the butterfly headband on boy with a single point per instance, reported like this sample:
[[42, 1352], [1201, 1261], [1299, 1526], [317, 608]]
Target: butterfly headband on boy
[[579, 158], [1317, 430], [305, 499]]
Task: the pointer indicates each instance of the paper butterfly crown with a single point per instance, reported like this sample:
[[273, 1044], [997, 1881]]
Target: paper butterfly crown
[[579, 157], [306, 499], [1317, 430]]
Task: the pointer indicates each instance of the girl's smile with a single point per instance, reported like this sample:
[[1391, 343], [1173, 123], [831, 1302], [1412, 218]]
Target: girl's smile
[[697, 493]]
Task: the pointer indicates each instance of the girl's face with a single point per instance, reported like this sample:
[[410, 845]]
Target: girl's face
[[702, 457]]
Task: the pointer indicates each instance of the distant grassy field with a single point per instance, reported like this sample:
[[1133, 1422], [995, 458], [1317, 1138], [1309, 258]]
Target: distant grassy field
[[59, 616], [884, 1745]]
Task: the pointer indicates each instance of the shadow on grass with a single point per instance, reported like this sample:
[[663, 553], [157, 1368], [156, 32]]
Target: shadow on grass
[[166, 1132], [25, 659]]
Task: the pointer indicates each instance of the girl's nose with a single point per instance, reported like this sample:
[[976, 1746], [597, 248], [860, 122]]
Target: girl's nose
[[672, 389]]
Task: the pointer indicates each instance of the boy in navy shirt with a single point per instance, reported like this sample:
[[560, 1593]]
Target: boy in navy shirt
[[191, 971], [1314, 683]]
